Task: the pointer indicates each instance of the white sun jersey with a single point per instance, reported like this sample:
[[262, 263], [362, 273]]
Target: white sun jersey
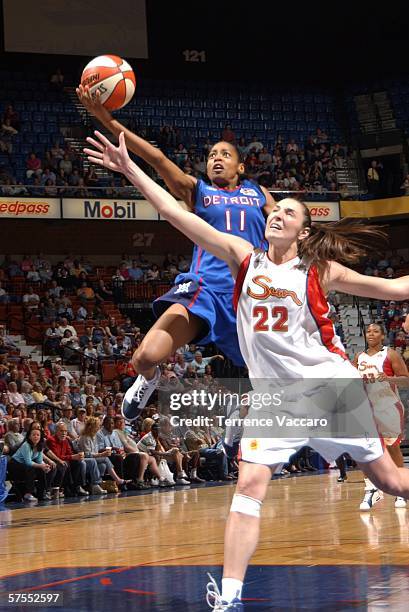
[[282, 322], [370, 366]]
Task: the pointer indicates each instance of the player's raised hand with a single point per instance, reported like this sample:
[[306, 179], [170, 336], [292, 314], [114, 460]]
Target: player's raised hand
[[108, 155], [93, 103]]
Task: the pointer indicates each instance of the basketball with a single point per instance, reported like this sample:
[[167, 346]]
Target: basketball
[[113, 77]]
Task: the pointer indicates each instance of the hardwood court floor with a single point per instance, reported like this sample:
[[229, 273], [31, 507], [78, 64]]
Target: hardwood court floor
[[307, 522]]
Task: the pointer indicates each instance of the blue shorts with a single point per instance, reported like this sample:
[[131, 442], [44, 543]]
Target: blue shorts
[[215, 309]]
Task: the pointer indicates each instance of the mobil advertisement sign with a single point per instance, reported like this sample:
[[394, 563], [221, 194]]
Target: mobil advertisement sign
[[108, 210]]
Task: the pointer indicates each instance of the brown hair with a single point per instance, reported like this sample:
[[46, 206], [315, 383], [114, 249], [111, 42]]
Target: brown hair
[[345, 241]]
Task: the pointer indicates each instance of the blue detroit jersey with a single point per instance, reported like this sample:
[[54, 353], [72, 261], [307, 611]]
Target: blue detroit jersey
[[238, 212]]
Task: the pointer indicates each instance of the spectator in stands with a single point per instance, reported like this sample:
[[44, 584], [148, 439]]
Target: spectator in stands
[[78, 467], [4, 296], [181, 155], [405, 185], [199, 362], [31, 300], [70, 345], [180, 366], [52, 338], [85, 293], [228, 135], [13, 396], [135, 272], [197, 439], [11, 118], [38, 394], [13, 438], [64, 326], [255, 146], [169, 441], [152, 274], [119, 349], [130, 465], [151, 443], [33, 166], [74, 178], [66, 419], [57, 79], [102, 292], [105, 349], [373, 176], [78, 423], [81, 314], [28, 464], [88, 443]]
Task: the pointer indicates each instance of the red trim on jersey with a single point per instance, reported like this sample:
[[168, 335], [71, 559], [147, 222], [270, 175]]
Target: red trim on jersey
[[199, 257], [196, 295], [318, 306], [238, 286], [387, 367]]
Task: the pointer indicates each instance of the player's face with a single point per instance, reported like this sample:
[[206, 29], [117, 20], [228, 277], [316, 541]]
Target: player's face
[[285, 223], [223, 165], [374, 335]]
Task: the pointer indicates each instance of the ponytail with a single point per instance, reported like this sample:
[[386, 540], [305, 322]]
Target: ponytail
[[343, 241]]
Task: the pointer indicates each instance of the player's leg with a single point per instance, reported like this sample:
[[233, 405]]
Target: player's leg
[[396, 454], [387, 476], [341, 465], [174, 328], [243, 521]]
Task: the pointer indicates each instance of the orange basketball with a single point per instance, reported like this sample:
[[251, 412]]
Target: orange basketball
[[113, 77]]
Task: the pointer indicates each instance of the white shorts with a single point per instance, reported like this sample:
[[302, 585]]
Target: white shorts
[[274, 451], [389, 418], [342, 402]]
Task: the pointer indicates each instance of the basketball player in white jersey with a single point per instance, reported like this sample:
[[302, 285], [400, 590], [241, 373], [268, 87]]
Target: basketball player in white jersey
[[284, 331], [382, 368]]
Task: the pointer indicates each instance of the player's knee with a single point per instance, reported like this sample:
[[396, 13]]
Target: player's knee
[[250, 487], [144, 358], [245, 504]]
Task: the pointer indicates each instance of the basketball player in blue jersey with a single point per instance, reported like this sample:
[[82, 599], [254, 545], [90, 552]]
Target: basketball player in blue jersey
[[199, 308]]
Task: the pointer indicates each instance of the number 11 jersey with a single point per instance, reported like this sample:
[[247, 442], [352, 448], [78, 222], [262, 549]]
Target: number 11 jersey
[[238, 212]]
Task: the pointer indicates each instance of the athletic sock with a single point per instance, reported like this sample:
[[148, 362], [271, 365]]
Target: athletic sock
[[231, 589], [369, 486]]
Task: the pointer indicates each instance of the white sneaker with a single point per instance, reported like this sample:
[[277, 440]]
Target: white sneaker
[[216, 603], [137, 396], [97, 490], [182, 481], [371, 497], [166, 483], [82, 492], [154, 482], [400, 502], [30, 498]]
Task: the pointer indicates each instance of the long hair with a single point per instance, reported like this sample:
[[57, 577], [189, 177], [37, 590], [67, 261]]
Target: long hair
[[41, 443], [91, 427], [345, 241]]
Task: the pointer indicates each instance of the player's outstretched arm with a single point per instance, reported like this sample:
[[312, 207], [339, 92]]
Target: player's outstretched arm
[[346, 280], [231, 249], [180, 184]]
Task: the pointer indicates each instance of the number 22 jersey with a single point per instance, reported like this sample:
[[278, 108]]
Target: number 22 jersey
[[282, 322]]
